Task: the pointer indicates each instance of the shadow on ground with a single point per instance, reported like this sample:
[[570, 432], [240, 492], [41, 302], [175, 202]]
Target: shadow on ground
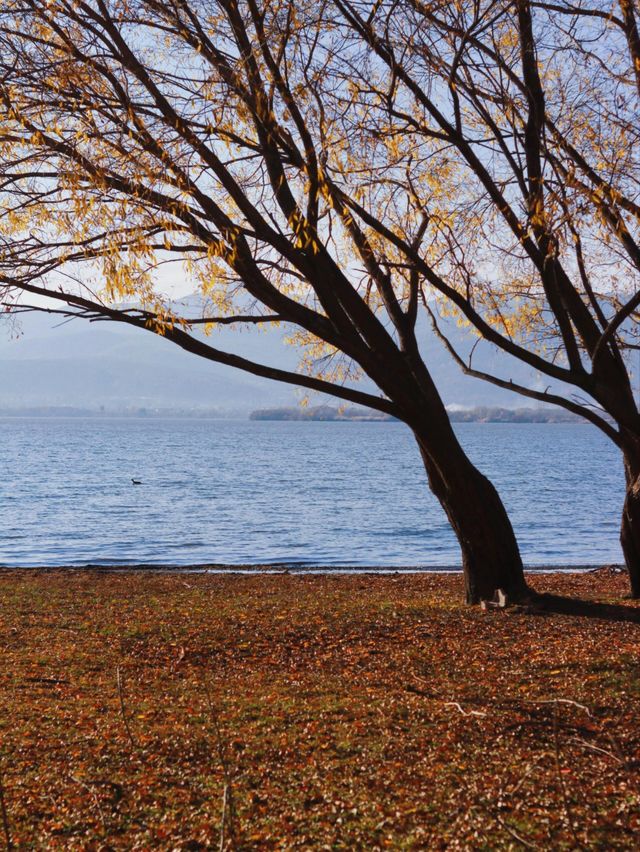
[[548, 604]]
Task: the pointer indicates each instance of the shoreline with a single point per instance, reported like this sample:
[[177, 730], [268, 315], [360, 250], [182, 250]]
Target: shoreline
[[286, 568]]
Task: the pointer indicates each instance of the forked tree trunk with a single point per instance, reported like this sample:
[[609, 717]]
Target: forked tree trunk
[[490, 555], [630, 528]]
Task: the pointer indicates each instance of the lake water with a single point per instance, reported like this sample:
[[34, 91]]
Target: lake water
[[348, 494]]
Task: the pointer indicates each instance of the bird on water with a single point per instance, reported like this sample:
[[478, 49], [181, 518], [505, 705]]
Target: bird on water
[[136, 481]]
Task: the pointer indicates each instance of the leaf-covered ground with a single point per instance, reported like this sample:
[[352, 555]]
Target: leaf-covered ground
[[151, 710]]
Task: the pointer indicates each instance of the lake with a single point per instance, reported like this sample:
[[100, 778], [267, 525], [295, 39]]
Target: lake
[[311, 494]]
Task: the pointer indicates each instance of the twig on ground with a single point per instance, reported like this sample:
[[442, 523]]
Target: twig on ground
[[228, 816], [563, 788], [416, 691], [227, 795], [526, 775], [482, 805], [94, 796], [615, 745], [5, 818], [510, 831], [557, 701], [462, 710], [122, 708], [592, 747]]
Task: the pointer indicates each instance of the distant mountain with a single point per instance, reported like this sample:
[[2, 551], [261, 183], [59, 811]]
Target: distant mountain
[[46, 363], [110, 365]]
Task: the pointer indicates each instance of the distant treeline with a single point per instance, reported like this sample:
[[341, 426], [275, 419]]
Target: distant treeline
[[471, 415], [319, 412], [513, 415], [352, 414]]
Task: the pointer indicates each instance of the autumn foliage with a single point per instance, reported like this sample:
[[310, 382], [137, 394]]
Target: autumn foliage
[[336, 712]]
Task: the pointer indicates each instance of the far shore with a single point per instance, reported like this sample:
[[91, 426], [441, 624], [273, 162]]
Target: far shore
[[268, 568], [543, 415]]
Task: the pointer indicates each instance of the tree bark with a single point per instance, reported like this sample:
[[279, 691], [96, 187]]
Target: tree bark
[[490, 555], [630, 527]]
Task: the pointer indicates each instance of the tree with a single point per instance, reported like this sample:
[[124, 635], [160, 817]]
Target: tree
[[512, 129], [135, 132]]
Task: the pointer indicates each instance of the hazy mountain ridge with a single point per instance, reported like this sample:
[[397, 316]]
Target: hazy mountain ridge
[[117, 367]]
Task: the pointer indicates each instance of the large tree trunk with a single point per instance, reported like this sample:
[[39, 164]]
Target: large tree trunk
[[490, 555], [630, 528]]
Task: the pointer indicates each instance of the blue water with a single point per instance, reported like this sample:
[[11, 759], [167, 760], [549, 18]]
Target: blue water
[[351, 494]]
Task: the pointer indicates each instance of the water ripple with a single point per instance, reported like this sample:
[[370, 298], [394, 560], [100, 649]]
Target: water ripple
[[349, 494]]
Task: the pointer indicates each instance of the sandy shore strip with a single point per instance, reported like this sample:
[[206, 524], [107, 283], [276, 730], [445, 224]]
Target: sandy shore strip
[[301, 568]]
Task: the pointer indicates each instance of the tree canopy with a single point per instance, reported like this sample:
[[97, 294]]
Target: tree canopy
[[517, 124]]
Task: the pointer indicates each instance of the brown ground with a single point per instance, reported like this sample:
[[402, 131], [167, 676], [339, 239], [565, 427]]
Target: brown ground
[[337, 712]]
